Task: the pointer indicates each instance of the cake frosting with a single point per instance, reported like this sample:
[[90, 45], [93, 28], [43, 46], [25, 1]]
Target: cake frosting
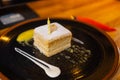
[[61, 31]]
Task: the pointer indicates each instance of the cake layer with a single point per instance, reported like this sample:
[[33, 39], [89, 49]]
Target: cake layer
[[51, 46], [52, 52], [48, 45]]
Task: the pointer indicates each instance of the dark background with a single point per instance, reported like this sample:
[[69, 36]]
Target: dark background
[[16, 6]]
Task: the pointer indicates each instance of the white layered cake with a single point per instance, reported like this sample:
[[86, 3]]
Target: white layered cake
[[52, 43]]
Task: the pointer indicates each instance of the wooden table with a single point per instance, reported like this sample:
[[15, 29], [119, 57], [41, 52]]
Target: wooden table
[[103, 11]]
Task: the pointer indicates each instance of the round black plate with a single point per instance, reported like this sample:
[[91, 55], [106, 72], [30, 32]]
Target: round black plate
[[92, 56]]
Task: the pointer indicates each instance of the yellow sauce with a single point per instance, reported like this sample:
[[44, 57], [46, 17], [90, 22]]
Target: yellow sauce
[[25, 36]]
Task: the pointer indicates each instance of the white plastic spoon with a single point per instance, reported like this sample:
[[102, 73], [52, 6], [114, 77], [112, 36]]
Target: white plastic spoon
[[50, 70]]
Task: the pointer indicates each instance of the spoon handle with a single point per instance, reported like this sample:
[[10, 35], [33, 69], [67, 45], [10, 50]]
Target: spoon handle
[[32, 58]]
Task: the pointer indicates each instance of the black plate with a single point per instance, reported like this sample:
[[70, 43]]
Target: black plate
[[94, 55]]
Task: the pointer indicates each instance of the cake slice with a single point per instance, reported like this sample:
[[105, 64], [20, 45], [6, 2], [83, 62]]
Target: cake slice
[[53, 43]]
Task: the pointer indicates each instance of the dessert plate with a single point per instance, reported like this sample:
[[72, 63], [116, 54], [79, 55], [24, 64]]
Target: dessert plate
[[92, 56]]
